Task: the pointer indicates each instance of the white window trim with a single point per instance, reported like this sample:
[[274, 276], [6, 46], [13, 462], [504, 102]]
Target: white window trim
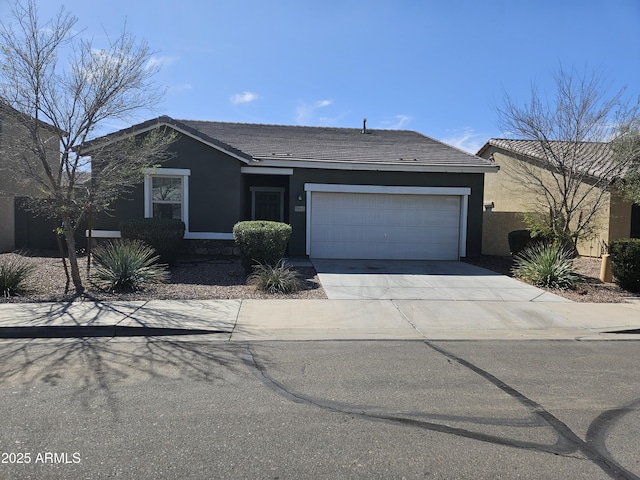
[[253, 191], [463, 192], [406, 190], [148, 209], [184, 173], [266, 171]]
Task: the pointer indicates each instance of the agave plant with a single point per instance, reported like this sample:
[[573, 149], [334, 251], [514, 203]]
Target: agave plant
[[14, 272], [274, 279], [546, 265], [126, 266]]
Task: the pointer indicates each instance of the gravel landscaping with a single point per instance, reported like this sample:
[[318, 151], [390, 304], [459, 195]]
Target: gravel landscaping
[[221, 277], [195, 278], [590, 288]]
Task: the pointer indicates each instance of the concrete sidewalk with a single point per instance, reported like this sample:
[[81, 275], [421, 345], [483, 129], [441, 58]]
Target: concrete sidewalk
[[254, 320]]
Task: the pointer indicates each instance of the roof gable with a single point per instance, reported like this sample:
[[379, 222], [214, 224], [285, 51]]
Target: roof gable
[[321, 147], [594, 159], [280, 142], [9, 112]]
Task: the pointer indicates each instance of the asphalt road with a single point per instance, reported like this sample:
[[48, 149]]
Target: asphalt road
[[187, 407]]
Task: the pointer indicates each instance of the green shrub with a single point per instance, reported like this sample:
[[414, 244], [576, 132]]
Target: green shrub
[[163, 234], [126, 266], [14, 273], [261, 242], [546, 265], [625, 263], [279, 278], [519, 240]]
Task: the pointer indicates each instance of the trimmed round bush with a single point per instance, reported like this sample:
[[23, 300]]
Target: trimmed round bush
[[625, 263], [261, 242], [163, 234]]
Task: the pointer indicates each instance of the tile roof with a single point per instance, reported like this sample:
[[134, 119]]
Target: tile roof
[[325, 144], [293, 145], [592, 158]]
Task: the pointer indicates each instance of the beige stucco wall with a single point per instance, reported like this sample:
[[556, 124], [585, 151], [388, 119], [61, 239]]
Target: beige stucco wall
[[509, 196], [495, 231]]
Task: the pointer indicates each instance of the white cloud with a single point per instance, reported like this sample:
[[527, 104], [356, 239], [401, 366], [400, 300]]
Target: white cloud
[[104, 60], [398, 122], [245, 97], [466, 139], [160, 62], [305, 112], [333, 120], [180, 87]]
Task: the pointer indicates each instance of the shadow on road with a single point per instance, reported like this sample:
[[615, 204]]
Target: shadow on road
[[94, 358]]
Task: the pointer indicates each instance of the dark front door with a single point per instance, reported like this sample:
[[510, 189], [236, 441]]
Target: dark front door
[[268, 205]]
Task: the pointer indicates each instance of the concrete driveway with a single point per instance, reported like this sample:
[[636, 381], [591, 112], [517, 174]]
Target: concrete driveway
[[422, 280]]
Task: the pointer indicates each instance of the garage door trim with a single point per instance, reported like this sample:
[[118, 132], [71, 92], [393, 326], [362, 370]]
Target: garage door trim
[[463, 192]]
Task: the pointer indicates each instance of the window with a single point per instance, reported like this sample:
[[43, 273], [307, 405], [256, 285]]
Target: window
[[166, 197], [166, 193]]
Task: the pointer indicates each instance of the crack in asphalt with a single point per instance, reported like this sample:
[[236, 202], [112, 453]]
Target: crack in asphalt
[[567, 444], [602, 460], [235, 323]]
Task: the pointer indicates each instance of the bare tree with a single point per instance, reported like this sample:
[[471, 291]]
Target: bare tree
[[626, 150], [51, 107], [569, 164]]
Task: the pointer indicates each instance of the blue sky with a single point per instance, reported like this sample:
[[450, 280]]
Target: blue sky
[[439, 67]]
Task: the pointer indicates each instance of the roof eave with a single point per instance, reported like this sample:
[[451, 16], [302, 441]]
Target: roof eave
[[152, 125], [369, 166]]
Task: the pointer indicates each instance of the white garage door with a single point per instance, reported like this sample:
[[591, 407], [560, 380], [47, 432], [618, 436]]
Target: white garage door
[[384, 226]]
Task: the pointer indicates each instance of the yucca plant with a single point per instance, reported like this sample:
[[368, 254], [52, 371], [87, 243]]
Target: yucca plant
[[546, 265], [275, 279], [126, 266], [14, 272]]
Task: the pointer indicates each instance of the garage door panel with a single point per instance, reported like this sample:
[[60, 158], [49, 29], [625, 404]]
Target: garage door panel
[[401, 251], [368, 233], [386, 217], [395, 226]]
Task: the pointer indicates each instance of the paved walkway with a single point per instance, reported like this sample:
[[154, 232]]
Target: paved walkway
[[422, 280], [249, 320]]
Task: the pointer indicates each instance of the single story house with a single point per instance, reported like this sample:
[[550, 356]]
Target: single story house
[[506, 200], [346, 192]]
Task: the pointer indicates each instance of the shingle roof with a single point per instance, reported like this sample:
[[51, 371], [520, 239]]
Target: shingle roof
[[7, 111], [294, 145], [324, 144], [593, 158]]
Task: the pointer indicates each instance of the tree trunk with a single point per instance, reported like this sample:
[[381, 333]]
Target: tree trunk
[[69, 232], [64, 260]]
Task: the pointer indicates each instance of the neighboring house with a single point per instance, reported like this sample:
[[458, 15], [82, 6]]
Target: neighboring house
[[19, 228], [346, 192], [506, 200]]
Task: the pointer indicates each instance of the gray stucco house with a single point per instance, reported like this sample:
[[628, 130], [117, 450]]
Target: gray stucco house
[[346, 192]]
